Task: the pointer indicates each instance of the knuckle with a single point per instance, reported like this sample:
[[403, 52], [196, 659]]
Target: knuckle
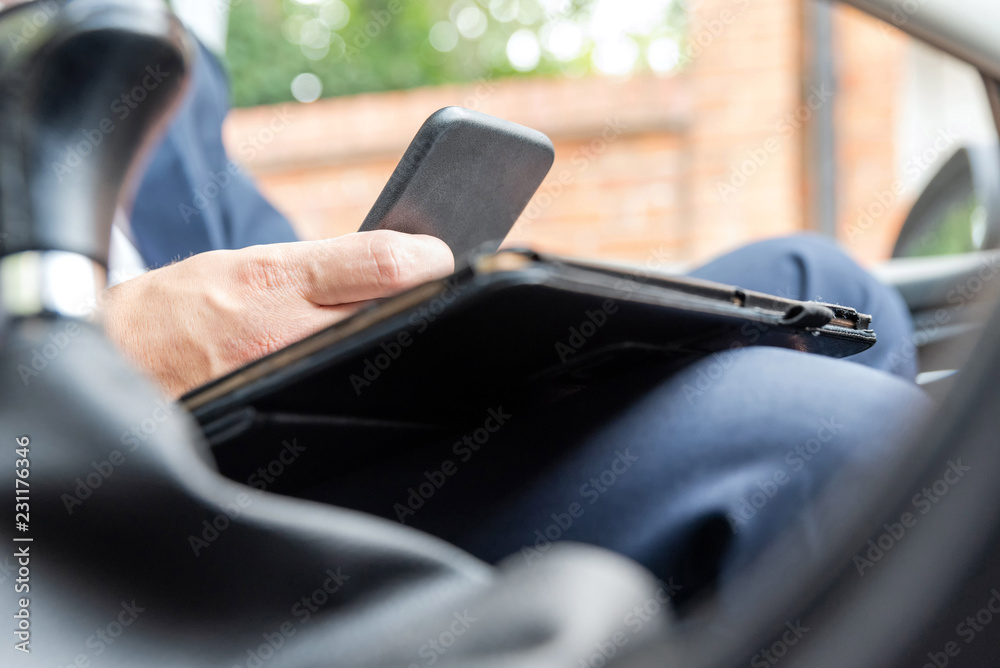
[[389, 264]]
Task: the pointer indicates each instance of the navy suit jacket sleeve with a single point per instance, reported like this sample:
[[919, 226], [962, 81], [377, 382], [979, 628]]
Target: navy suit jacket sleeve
[[192, 198]]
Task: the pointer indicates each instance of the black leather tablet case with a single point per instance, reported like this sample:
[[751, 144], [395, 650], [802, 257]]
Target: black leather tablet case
[[512, 327]]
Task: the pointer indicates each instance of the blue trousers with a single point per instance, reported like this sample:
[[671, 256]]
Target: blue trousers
[[693, 473]]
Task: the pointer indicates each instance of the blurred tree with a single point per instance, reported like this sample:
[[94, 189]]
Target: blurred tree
[[353, 46]]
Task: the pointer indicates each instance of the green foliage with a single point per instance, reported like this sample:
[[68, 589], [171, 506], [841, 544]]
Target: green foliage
[[959, 231], [356, 46]]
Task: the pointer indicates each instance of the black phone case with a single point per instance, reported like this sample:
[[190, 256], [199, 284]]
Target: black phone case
[[465, 178], [512, 327]]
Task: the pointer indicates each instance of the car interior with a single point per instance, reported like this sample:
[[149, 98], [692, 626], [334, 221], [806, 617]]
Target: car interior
[[259, 552]]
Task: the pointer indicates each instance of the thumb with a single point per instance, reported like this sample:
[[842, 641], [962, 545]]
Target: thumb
[[369, 265]]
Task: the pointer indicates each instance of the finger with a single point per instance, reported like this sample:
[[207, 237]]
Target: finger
[[369, 265]]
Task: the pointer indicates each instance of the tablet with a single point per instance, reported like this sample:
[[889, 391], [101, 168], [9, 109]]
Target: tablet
[[512, 325]]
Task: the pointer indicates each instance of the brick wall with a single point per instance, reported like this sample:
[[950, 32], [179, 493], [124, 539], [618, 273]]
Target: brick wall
[[647, 170], [614, 190]]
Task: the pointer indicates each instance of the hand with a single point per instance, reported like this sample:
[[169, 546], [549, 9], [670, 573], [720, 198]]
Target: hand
[[201, 318]]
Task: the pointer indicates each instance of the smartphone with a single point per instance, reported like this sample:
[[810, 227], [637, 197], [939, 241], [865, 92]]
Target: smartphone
[[465, 179]]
